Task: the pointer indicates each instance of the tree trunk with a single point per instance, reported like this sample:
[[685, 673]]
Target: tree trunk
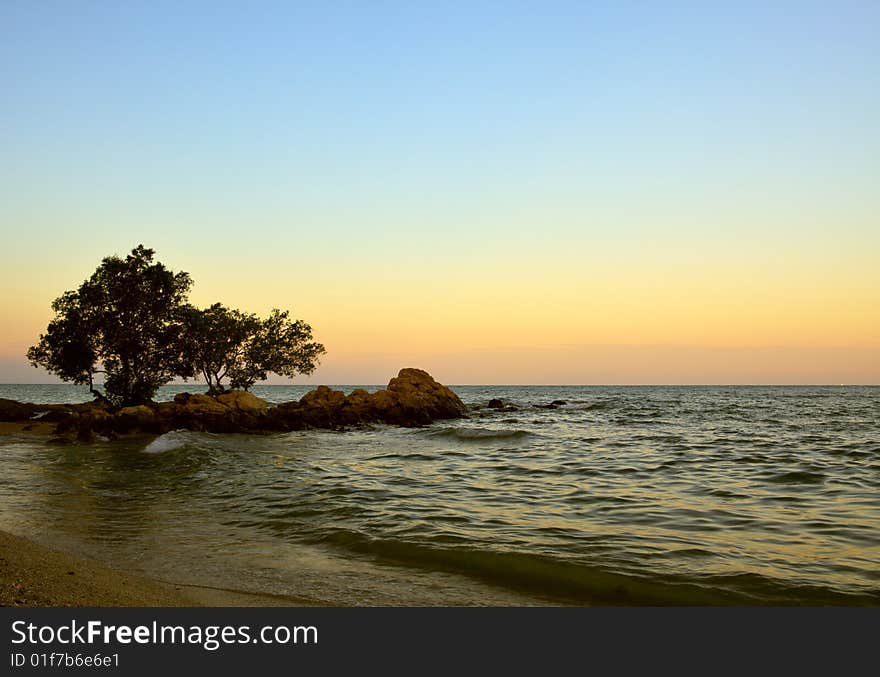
[[97, 393]]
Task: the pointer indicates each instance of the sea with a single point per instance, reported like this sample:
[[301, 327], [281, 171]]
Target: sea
[[629, 495]]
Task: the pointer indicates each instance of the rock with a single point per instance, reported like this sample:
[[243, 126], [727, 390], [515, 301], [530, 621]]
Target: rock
[[359, 408], [129, 419], [383, 403], [141, 413], [99, 418], [11, 411], [320, 407], [559, 403], [54, 415], [499, 406], [323, 396], [200, 404], [285, 416], [412, 398], [241, 400], [88, 419], [421, 400], [234, 411], [167, 409]]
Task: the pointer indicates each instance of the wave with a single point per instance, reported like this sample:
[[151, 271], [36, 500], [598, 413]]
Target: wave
[[575, 582], [478, 434], [594, 406], [167, 442], [798, 477]]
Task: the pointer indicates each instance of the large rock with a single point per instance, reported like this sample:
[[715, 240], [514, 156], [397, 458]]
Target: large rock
[[140, 418], [141, 414], [359, 407], [10, 410], [421, 400], [83, 421], [413, 398], [241, 400], [235, 411], [200, 404], [383, 404], [320, 408], [286, 416]]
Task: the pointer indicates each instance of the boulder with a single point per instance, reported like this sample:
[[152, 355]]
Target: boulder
[[286, 417], [383, 403], [359, 407], [55, 414], [10, 410], [141, 413], [128, 419], [99, 418], [167, 410], [199, 404], [495, 404], [320, 407], [235, 411], [421, 400], [241, 400], [412, 398]]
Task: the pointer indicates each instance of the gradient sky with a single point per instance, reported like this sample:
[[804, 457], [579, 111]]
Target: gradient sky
[[622, 192]]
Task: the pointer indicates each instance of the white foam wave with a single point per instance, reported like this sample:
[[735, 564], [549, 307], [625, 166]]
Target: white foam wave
[[167, 442]]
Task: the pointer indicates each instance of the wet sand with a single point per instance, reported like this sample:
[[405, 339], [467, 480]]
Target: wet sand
[[32, 575]]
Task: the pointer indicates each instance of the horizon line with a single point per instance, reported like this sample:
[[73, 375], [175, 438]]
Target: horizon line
[[519, 385]]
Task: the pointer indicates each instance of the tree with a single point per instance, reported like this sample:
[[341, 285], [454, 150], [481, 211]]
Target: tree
[[125, 321], [68, 347], [223, 343], [216, 338]]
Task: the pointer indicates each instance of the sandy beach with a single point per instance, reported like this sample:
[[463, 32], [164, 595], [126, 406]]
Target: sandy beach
[[32, 575]]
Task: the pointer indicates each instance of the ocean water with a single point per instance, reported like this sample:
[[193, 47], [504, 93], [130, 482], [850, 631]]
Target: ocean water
[[623, 495]]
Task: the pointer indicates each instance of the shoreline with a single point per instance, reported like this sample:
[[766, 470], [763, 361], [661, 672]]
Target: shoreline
[[33, 575]]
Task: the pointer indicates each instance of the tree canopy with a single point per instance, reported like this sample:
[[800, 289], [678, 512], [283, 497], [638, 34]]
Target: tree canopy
[[223, 343], [131, 322]]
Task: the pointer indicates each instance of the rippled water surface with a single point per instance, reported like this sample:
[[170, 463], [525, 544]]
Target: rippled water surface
[[644, 495]]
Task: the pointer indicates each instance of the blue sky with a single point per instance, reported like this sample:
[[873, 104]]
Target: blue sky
[[489, 140]]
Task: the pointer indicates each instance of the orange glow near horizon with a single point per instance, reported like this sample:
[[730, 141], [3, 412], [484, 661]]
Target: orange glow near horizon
[[648, 321]]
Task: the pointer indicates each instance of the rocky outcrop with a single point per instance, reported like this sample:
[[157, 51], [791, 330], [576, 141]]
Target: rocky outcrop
[[421, 400], [498, 406], [12, 411], [412, 398]]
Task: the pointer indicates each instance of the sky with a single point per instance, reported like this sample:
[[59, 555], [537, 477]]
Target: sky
[[497, 192]]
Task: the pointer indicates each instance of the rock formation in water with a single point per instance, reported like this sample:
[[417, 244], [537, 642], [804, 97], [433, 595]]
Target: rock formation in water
[[412, 398]]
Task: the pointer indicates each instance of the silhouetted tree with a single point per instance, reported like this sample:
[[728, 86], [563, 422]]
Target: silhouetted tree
[[223, 343], [216, 338], [126, 322], [68, 348]]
